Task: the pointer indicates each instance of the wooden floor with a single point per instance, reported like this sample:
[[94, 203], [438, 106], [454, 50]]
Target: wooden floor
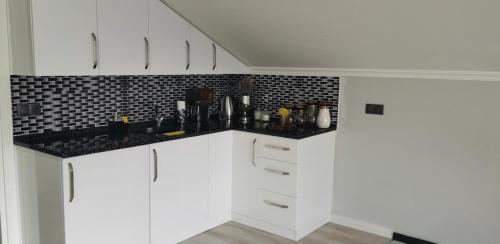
[[234, 233]]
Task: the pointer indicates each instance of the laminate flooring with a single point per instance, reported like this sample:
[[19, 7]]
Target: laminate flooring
[[234, 233]]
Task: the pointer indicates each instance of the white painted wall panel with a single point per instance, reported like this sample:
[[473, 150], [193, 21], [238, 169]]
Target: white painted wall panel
[[429, 167], [385, 34]]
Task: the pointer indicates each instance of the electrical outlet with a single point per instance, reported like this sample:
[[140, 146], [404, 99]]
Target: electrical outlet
[[377, 109], [35, 109], [29, 109], [23, 109]]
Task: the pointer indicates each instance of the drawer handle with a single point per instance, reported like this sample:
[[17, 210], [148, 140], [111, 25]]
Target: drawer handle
[[275, 171], [275, 204], [277, 147]]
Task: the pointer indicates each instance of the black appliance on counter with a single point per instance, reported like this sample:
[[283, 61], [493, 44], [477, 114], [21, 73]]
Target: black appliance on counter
[[199, 101]]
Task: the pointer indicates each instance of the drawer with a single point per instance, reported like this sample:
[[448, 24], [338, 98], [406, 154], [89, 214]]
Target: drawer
[[277, 176], [276, 209], [277, 148]]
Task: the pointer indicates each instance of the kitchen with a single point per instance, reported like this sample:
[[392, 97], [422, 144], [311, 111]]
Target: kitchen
[[149, 121]]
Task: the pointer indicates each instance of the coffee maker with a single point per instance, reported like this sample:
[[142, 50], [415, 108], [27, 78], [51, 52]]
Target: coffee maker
[[199, 101]]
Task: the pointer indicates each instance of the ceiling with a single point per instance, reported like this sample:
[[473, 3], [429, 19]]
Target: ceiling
[[360, 34]]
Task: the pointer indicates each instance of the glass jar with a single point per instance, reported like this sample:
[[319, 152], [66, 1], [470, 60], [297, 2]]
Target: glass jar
[[299, 117], [312, 113]]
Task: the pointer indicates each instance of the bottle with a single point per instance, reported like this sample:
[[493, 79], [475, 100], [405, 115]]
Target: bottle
[[324, 119]]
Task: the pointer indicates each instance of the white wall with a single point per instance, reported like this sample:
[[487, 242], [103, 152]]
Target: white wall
[[382, 34], [430, 167], [9, 201]]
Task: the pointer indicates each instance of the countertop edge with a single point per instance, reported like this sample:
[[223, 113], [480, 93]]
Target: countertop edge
[[164, 139]]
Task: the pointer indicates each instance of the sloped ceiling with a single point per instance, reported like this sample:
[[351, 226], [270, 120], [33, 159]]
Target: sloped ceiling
[[364, 34]]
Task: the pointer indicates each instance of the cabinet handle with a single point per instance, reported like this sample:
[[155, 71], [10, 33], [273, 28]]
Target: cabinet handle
[[188, 55], [253, 152], [155, 166], [146, 41], [71, 182], [214, 49], [277, 147], [275, 171], [94, 50], [275, 204]]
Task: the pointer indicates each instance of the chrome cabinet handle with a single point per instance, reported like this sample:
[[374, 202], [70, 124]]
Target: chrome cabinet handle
[[146, 41], [214, 49], [95, 50], [155, 166], [275, 204], [275, 171], [71, 182], [188, 55], [253, 152], [277, 147]]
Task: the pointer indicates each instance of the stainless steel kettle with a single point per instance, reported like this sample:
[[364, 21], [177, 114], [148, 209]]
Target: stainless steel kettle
[[226, 108]]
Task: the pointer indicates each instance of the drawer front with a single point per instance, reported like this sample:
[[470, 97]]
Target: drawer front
[[277, 176], [276, 209], [277, 148]]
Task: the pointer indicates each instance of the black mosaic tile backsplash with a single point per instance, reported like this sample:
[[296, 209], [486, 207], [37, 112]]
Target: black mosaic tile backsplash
[[89, 101], [270, 92]]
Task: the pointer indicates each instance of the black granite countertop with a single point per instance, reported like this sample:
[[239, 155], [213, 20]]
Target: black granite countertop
[[87, 141]]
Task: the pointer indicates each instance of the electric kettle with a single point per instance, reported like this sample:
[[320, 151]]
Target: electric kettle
[[226, 108]]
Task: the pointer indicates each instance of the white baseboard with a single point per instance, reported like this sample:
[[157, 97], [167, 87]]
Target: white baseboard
[[363, 226]]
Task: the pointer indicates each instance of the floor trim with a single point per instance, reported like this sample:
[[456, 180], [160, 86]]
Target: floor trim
[[363, 226], [409, 239]]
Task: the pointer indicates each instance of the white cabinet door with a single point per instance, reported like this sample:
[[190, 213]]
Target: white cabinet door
[[63, 37], [244, 193], [106, 197], [225, 63], [123, 29], [220, 175], [168, 36], [179, 189], [200, 53]]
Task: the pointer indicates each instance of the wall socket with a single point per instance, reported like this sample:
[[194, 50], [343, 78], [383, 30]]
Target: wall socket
[[29, 109]]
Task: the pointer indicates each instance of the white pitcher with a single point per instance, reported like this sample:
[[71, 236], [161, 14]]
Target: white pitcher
[[324, 118]]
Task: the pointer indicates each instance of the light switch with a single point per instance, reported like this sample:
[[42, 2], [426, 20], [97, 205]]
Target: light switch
[[377, 109]]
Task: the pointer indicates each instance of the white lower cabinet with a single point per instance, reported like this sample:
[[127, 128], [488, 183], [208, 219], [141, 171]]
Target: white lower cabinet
[[220, 178], [244, 171], [106, 198], [190, 186], [179, 189], [283, 186], [100, 198], [167, 192]]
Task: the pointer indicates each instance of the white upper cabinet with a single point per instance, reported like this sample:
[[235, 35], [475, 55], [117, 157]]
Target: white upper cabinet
[[225, 63], [110, 37], [169, 35], [200, 51], [123, 37], [64, 37]]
